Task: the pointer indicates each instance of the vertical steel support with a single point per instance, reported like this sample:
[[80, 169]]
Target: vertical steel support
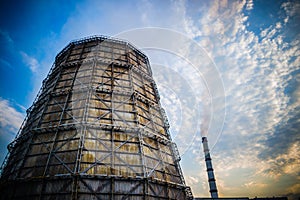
[[140, 135], [112, 122]]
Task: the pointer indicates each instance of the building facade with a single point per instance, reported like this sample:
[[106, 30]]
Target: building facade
[[95, 131]]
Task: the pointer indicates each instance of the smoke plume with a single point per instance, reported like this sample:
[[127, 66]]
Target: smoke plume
[[205, 114]]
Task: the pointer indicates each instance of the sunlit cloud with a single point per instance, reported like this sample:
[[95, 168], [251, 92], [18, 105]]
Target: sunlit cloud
[[256, 69], [249, 5]]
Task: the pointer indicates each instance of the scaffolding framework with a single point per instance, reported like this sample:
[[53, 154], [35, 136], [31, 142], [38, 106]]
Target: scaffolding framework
[[96, 130]]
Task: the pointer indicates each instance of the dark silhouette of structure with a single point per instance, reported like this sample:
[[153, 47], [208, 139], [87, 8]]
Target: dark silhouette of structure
[[95, 131]]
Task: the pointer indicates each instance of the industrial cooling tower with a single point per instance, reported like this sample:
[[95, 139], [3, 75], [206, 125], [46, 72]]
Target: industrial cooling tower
[[96, 130]]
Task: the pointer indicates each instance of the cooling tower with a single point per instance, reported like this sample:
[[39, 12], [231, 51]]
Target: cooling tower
[[96, 130]]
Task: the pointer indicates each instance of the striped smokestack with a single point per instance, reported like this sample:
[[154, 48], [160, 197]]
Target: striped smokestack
[[210, 171]]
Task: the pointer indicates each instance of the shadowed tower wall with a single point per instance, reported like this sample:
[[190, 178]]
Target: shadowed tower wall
[[95, 131]]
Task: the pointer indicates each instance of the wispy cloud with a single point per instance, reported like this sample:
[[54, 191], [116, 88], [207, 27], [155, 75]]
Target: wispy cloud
[[5, 40], [7, 46], [182, 109], [257, 69], [4, 63], [249, 5], [31, 62], [10, 118], [291, 9]]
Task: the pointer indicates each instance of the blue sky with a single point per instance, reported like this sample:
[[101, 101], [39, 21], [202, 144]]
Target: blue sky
[[254, 46]]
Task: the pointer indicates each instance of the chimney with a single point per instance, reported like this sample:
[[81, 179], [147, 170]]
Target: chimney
[[210, 171]]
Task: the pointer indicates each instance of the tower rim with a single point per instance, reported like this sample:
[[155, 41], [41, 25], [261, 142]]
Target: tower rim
[[99, 38]]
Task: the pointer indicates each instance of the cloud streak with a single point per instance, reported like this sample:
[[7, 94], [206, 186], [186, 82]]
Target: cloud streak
[[10, 118], [257, 69], [31, 62], [5, 40]]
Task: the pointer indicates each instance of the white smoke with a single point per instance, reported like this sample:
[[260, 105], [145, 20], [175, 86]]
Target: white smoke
[[205, 116]]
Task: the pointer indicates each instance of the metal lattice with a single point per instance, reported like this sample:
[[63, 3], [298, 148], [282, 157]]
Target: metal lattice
[[95, 131]]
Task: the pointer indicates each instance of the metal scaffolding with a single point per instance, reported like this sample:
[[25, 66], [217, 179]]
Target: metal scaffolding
[[95, 131]]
